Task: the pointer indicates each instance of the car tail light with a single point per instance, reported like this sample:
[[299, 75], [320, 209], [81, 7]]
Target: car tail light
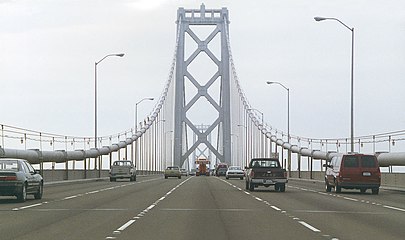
[[285, 174], [9, 178]]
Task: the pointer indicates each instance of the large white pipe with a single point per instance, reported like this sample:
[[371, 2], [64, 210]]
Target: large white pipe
[[384, 159], [391, 159]]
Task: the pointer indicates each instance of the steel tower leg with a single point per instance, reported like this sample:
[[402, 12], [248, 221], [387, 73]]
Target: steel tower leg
[[185, 19]]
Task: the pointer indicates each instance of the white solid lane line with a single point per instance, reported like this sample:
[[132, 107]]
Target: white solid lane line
[[29, 206], [394, 208]]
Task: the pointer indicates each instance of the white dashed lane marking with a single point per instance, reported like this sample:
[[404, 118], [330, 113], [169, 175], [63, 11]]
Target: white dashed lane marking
[[312, 228], [143, 212], [309, 226], [362, 201], [123, 227], [83, 194]]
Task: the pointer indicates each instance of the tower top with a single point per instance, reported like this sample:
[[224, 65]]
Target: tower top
[[202, 16]]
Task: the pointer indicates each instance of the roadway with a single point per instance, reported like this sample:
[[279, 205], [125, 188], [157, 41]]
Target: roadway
[[201, 208]]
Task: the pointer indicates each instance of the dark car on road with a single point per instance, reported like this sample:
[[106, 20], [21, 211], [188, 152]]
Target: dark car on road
[[265, 172], [221, 169], [18, 178]]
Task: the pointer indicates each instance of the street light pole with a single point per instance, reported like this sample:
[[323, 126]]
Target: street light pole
[[288, 107], [170, 131], [261, 142], [136, 112], [318, 19], [288, 121], [244, 148], [136, 125], [95, 101], [237, 147]]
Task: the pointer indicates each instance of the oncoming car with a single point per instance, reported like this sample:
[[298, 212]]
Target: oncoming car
[[235, 172], [18, 178]]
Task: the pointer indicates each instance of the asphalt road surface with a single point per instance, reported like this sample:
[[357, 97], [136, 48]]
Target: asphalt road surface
[[201, 208]]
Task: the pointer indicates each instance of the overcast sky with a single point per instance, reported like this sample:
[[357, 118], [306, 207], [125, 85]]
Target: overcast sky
[[48, 49]]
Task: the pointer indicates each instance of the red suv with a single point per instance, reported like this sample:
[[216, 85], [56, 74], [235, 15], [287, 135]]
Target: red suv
[[353, 171]]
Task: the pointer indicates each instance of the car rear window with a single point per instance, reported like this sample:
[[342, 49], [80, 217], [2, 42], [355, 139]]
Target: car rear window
[[368, 161], [122, 163], [9, 166], [265, 163], [351, 162]]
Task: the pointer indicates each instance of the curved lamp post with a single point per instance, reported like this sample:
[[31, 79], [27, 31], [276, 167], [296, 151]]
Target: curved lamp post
[[318, 19], [95, 93], [95, 99], [288, 121], [136, 125], [136, 111]]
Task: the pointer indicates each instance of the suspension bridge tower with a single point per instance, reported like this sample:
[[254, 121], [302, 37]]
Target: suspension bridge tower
[[221, 105]]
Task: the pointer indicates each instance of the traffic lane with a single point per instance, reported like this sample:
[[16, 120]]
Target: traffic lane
[[337, 215], [389, 198], [51, 193], [347, 217], [208, 208], [85, 215], [369, 216], [57, 191]]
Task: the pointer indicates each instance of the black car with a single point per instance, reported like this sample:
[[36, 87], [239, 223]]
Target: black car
[[221, 171], [18, 178]]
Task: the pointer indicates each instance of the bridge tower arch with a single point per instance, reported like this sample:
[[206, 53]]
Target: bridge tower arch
[[218, 18]]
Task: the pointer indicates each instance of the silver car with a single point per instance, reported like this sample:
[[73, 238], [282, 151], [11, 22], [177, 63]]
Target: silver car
[[234, 172], [18, 178]]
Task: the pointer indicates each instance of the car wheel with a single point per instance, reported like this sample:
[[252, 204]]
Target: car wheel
[[277, 187], [165, 177], [282, 188], [38, 195], [179, 177], [22, 196], [135, 178], [227, 177], [363, 190], [247, 185], [375, 191]]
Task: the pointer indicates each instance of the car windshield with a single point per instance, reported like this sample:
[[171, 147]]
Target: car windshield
[[265, 163], [8, 165], [173, 168], [368, 161]]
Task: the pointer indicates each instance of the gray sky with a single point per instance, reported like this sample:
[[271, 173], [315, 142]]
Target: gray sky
[[48, 49]]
